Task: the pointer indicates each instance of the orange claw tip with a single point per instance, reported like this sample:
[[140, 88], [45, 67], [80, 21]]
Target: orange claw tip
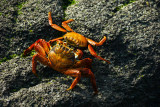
[[68, 89], [105, 37], [72, 19], [49, 13]]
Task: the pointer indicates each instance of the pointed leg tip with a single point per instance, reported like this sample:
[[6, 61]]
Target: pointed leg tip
[[108, 62], [35, 74], [95, 93], [72, 19], [68, 89]]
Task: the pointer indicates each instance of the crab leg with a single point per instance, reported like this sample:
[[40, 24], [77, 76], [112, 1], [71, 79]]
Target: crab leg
[[53, 40], [84, 72], [29, 49], [40, 56], [54, 25], [41, 42], [41, 59], [85, 63], [96, 43], [95, 54], [65, 25]]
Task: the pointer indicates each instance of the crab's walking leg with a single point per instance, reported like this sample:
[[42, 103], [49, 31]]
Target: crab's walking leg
[[54, 25], [53, 40], [74, 73], [42, 49], [96, 43], [84, 72], [65, 25], [95, 54], [85, 63], [41, 59], [42, 42]]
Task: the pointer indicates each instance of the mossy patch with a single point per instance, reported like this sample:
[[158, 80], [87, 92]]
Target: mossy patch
[[8, 58], [33, 52], [124, 4], [67, 3], [30, 31], [140, 76], [20, 8], [17, 11]]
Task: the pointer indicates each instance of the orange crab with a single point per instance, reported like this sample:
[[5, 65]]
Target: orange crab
[[62, 58], [76, 39]]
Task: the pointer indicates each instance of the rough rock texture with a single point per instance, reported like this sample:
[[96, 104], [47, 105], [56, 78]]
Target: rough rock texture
[[133, 47], [22, 22]]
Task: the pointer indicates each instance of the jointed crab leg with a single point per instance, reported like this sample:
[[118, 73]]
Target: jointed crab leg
[[85, 63], [91, 50], [84, 72], [96, 43], [42, 48], [64, 24], [53, 40], [54, 25], [41, 59], [41, 44]]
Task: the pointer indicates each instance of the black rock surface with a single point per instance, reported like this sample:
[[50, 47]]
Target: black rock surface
[[132, 28]]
